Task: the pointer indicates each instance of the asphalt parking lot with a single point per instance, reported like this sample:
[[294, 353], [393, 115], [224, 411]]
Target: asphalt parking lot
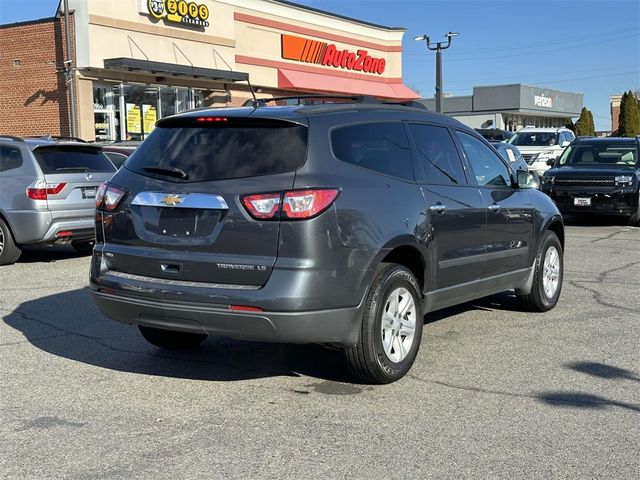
[[494, 393]]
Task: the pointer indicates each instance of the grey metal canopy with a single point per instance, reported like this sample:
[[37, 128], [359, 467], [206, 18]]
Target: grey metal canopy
[[163, 68]]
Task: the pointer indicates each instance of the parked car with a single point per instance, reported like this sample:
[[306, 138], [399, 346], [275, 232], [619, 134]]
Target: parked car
[[494, 135], [47, 193], [512, 155], [538, 145], [338, 224], [597, 176], [118, 152]]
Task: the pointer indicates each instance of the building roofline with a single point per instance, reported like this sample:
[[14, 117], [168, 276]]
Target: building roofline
[[29, 22], [524, 85], [337, 15]]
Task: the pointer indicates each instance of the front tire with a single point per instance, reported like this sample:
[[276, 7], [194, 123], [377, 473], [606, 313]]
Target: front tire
[[9, 251], [547, 275], [391, 327], [171, 340]]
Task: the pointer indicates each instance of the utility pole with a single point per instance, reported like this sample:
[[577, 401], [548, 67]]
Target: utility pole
[[69, 71], [438, 49]]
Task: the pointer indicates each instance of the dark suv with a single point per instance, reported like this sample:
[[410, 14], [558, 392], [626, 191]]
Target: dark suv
[[338, 224], [597, 176]]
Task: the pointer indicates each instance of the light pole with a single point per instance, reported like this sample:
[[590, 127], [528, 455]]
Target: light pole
[[438, 48]]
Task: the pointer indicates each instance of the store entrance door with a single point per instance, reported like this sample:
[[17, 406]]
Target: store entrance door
[[105, 125]]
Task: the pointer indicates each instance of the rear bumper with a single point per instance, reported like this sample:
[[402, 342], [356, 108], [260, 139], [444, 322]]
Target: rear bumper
[[42, 226], [336, 326]]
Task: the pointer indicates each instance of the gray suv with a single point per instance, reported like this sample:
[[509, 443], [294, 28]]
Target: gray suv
[[339, 224], [47, 193]]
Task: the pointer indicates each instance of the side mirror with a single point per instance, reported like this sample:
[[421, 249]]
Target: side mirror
[[565, 144], [551, 162], [527, 180]]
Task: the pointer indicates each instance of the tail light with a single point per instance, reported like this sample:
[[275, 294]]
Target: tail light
[[262, 206], [40, 190], [292, 205], [109, 197]]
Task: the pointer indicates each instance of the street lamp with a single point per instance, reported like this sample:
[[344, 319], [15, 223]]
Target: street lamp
[[438, 48]]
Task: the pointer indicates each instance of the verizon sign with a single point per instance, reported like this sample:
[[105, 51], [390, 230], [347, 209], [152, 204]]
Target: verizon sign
[[327, 54], [542, 101]]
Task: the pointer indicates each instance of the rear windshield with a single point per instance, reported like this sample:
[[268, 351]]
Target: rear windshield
[[72, 159], [534, 139], [232, 148], [600, 155]]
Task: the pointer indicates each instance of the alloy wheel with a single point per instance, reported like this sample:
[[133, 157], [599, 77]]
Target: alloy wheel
[[398, 324], [551, 272]]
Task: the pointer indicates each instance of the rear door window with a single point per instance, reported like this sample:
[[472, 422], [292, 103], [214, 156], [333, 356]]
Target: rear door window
[[437, 158], [61, 159], [381, 147], [10, 158], [221, 149]]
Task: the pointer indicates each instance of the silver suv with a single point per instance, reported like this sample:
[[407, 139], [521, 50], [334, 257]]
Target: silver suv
[[539, 145], [47, 193]]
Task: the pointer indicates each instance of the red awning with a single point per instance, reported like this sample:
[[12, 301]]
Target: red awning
[[318, 82]]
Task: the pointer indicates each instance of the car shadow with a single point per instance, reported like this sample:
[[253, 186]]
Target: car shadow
[[583, 400], [48, 254], [595, 220], [69, 325]]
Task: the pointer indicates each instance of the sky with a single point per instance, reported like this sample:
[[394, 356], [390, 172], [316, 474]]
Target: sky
[[588, 46]]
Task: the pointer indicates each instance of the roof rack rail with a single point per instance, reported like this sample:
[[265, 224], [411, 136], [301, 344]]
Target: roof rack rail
[[363, 99], [409, 103], [262, 102], [12, 137], [58, 137]]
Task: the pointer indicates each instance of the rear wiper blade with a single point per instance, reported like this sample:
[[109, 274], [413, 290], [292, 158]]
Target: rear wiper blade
[[72, 169], [170, 171]]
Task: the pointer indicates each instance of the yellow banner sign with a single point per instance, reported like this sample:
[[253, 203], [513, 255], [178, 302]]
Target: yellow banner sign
[[178, 11]]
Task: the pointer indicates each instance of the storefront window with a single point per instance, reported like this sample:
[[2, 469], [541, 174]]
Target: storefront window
[[167, 102], [139, 107]]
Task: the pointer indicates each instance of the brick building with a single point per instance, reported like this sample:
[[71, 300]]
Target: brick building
[[615, 111], [34, 96], [136, 61]]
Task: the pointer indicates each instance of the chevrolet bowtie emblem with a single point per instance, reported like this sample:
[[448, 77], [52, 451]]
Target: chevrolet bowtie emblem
[[172, 200]]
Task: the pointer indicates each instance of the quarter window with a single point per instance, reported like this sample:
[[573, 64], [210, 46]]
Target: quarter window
[[382, 147], [438, 159], [489, 170], [10, 158]]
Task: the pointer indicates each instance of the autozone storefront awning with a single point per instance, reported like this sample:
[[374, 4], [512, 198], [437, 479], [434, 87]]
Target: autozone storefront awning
[[318, 82]]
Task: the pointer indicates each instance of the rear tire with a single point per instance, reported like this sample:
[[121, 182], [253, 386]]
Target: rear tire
[[171, 340], [83, 247], [391, 327], [9, 251], [547, 275]]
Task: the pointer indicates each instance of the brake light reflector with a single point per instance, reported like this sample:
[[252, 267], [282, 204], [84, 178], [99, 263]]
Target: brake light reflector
[[263, 205], [40, 190], [64, 234], [308, 203], [109, 197], [245, 308]]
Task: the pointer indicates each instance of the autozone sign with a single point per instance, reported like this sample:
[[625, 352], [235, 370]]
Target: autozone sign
[[327, 54]]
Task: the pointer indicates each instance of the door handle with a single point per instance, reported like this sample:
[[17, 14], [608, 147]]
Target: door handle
[[494, 208], [438, 208]]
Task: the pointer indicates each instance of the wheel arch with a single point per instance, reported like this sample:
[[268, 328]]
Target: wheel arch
[[556, 225]]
